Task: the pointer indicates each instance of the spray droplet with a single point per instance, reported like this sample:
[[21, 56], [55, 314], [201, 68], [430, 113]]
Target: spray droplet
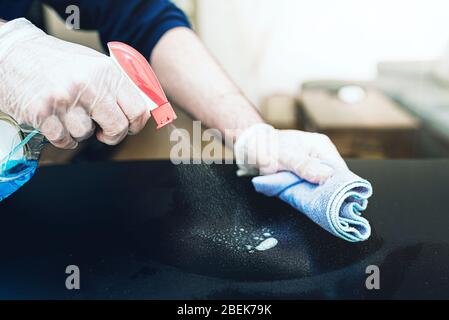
[[267, 244], [267, 234]]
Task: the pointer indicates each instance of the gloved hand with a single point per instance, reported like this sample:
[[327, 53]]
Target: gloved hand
[[265, 150], [62, 89]]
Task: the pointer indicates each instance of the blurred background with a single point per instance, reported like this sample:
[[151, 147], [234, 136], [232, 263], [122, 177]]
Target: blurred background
[[373, 75]]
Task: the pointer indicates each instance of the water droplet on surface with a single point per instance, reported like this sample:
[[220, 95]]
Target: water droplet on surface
[[267, 244]]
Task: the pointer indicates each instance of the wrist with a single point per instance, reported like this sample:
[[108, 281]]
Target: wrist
[[18, 30], [252, 131], [242, 114], [16, 24]]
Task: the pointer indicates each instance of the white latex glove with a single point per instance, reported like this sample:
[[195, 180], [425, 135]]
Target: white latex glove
[[64, 89], [261, 149]]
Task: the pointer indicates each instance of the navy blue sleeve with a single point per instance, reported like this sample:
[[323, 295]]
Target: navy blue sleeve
[[10, 10], [139, 23]]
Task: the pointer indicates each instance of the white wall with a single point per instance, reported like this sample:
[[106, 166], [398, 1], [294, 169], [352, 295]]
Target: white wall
[[272, 45]]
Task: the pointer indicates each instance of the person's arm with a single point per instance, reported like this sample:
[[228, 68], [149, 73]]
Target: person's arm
[[195, 81]]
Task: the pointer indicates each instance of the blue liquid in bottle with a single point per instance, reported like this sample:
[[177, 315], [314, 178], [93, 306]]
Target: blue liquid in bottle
[[20, 148], [14, 175]]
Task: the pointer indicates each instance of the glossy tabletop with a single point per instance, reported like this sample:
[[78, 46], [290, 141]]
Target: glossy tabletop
[[154, 230]]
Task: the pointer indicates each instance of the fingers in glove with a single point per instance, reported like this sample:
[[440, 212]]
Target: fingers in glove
[[53, 129], [133, 106], [79, 124], [113, 123], [325, 150], [315, 171], [308, 168]]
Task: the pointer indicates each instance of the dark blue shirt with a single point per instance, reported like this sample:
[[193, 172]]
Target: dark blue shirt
[[140, 23]]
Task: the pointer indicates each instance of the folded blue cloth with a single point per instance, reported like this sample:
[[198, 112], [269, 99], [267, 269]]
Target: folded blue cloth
[[335, 205]]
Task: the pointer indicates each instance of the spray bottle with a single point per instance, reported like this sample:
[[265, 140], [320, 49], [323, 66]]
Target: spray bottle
[[20, 147]]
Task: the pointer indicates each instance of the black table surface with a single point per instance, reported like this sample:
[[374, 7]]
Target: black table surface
[[155, 230]]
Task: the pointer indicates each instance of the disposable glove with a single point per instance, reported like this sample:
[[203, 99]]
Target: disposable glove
[[64, 89], [261, 149]]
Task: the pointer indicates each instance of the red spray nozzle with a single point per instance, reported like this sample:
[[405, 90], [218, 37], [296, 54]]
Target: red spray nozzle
[[163, 115], [139, 71]]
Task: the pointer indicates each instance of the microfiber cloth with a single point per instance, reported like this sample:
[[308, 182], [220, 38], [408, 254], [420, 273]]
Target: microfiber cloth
[[335, 205]]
